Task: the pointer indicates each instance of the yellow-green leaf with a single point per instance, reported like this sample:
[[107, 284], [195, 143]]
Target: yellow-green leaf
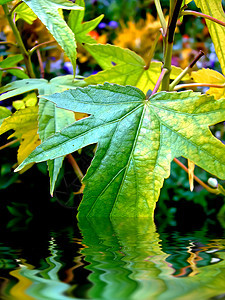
[[23, 11], [209, 76], [214, 9]]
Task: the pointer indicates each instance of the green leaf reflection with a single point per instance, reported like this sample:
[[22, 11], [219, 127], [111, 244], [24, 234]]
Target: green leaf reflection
[[127, 262]]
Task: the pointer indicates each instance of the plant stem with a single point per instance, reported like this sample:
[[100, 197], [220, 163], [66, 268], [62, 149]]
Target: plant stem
[[209, 189], [31, 51], [198, 14], [15, 6], [9, 43], [75, 166], [13, 68], [9, 144], [159, 81], [41, 63], [191, 85], [174, 14], [23, 50], [185, 71], [161, 16]]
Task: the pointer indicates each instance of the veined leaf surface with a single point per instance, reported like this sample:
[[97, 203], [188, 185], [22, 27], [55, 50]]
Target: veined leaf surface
[[80, 28], [47, 12], [125, 67], [137, 139], [214, 8]]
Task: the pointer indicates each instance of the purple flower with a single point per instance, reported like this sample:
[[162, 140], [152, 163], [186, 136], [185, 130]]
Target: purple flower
[[102, 25], [113, 24]]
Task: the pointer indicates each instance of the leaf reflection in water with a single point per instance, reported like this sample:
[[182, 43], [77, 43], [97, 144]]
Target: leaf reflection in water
[[127, 262]]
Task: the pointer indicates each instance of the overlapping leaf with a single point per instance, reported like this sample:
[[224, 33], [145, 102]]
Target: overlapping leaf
[[47, 12], [137, 139], [80, 28], [4, 113], [12, 61], [51, 119], [25, 124], [209, 76], [125, 67], [23, 11], [214, 8]]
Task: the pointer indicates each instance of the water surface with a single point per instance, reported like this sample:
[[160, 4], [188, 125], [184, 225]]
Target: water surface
[[100, 259]]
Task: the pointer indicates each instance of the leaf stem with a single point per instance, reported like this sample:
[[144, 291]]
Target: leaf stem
[[31, 51], [13, 68], [161, 16], [9, 144], [15, 6], [209, 189], [41, 63], [9, 43], [75, 166], [186, 70], [191, 85], [198, 14], [23, 50], [159, 81], [175, 7]]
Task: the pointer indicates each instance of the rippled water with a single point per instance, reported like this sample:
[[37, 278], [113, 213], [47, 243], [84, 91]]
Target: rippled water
[[123, 259]]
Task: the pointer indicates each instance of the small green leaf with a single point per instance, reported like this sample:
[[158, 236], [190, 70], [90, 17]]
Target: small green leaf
[[80, 28], [47, 12], [4, 113], [5, 1], [23, 11], [137, 140], [12, 61], [52, 120]]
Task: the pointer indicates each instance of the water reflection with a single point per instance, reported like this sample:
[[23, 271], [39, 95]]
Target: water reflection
[[122, 259]]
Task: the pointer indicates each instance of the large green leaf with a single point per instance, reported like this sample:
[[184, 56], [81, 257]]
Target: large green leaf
[[137, 139], [214, 8], [4, 113], [47, 12], [80, 28], [125, 67]]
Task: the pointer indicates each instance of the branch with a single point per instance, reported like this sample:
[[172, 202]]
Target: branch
[[9, 144], [75, 166], [198, 14], [40, 45], [159, 81], [209, 189], [191, 85], [185, 71], [161, 16]]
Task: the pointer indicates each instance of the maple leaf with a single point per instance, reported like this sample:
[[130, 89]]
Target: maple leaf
[[48, 13], [137, 139], [129, 68], [80, 28]]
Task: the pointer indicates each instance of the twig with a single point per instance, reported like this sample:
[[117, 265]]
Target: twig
[[191, 85], [9, 43], [15, 6], [75, 166], [198, 14], [159, 81], [209, 189], [161, 16], [186, 70], [40, 45], [9, 144], [151, 52], [13, 68], [41, 63]]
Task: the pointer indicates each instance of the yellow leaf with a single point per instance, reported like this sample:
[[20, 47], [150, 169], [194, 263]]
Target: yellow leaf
[[214, 8], [191, 167], [25, 124], [211, 77]]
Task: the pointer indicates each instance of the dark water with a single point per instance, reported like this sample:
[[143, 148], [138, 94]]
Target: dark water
[[58, 258]]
